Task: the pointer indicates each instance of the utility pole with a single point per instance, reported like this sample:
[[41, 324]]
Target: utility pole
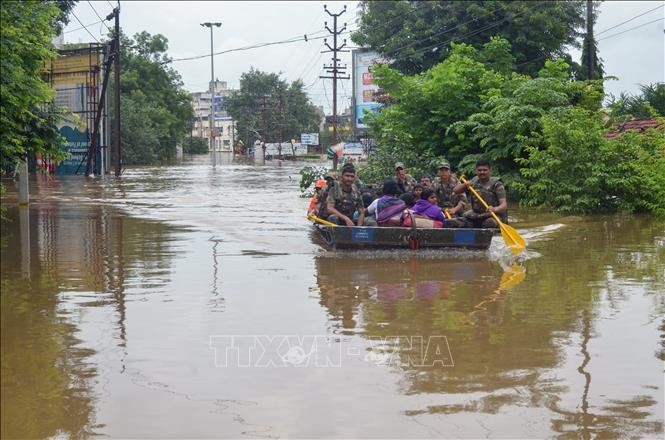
[[338, 71], [589, 34], [264, 117], [116, 67], [211, 118]]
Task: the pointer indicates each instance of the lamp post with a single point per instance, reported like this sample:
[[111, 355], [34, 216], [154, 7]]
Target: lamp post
[[211, 118]]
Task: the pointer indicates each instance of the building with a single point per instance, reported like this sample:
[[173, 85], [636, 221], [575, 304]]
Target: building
[[224, 133]]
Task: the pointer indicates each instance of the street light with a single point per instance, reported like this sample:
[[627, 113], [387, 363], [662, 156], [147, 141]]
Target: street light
[[211, 118]]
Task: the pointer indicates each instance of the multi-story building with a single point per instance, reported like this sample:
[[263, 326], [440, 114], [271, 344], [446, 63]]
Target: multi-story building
[[224, 132]]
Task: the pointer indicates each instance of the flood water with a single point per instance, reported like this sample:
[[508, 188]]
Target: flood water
[[187, 301]]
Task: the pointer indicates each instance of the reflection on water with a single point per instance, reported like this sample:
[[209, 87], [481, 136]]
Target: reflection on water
[[112, 289]]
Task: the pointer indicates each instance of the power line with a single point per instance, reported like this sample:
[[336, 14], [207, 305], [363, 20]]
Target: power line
[[98, 16], [629, 20], [81, 23], [81, 27], [253, 46], [632, 29]]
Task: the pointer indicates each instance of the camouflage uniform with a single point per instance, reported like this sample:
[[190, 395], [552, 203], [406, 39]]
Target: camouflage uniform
[[447, 199], [345, 202], [445, 195], [409, 183], [492, 191]]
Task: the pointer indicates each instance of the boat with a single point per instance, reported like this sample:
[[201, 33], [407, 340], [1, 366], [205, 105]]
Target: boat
[[358, 237]]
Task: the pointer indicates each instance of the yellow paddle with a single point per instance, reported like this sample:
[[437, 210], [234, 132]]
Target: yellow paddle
[[512, 238], [320, 220], [447, 214]]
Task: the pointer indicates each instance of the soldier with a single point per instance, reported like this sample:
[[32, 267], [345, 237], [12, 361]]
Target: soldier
[[443, 187], [344, 199], [405, 182], [491, 190]]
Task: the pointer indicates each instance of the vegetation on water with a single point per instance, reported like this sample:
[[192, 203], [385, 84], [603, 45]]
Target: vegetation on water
[[27, 121], [270, 109], [195, 145], [473, 104]]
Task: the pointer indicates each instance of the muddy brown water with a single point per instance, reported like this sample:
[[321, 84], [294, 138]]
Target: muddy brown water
[[187, 301]]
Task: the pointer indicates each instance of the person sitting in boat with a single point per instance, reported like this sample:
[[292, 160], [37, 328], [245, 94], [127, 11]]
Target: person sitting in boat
[[344, 199], [427, 206], [330, 179], [388, 208], [417, 190], [315, 201], [405, 182], [368, 199], [408, 199], [426, 182], [491, 190], [453, 203]]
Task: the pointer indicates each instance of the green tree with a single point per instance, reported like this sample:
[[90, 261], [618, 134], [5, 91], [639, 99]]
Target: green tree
[[26, 29], [649, 103], [267, 108], [156, 111], [567, 176], [195, 145], [589, 44], [416, 34]]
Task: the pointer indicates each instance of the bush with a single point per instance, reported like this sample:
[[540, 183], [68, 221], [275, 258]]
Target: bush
[[195, 145], [309, 175], [582, 172]]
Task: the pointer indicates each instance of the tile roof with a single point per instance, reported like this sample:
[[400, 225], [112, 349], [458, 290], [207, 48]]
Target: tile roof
[[636, 125]]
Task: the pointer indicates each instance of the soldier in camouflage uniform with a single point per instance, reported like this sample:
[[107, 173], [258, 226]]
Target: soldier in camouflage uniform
[[405, 182], [449, 202], [491, 190], [344, 199]]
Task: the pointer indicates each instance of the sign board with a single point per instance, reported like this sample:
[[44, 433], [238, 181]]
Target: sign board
[[76, 77], [363, 86], [309, 138], [219, 107]]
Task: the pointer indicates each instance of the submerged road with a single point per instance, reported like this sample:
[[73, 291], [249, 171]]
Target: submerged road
[[187, 301]]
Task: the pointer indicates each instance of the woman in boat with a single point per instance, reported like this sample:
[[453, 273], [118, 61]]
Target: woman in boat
[[388, 208], [427, 206]]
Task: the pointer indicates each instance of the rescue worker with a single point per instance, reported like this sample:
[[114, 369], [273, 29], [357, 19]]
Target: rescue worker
[[450, 202], [405, 182], [315, 201], [344, 199], [491, 190], [330, 179]]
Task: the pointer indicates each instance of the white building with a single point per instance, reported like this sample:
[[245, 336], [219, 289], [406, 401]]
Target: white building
[[224, 127]]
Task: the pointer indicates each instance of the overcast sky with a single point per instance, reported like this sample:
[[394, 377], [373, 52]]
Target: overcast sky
[[635, 57]]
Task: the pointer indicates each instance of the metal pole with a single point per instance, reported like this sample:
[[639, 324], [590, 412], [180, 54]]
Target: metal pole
[[116, 63], [211, 118], [23, 187]]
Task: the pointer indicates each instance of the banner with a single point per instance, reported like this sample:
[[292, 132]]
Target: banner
[[363, 86]]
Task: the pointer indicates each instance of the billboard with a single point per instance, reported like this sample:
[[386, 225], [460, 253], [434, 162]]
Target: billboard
[[76, 77], [363, 86], [219, 108], [309, 138]]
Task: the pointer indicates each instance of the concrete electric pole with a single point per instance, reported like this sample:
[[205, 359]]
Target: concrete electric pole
[[211, 118], [337, 70]]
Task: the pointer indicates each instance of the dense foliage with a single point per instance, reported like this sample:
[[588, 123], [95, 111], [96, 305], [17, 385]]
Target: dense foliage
[[649, 103], [582, 171], [269, 109], [195, 145], [156, 111], [471, 105], [26, 29], [416, 34]]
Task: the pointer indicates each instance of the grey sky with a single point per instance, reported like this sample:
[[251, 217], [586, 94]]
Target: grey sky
[[636, 57]]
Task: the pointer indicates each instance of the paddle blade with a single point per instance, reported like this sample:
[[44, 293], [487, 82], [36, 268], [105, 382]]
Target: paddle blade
[[512, 238]]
